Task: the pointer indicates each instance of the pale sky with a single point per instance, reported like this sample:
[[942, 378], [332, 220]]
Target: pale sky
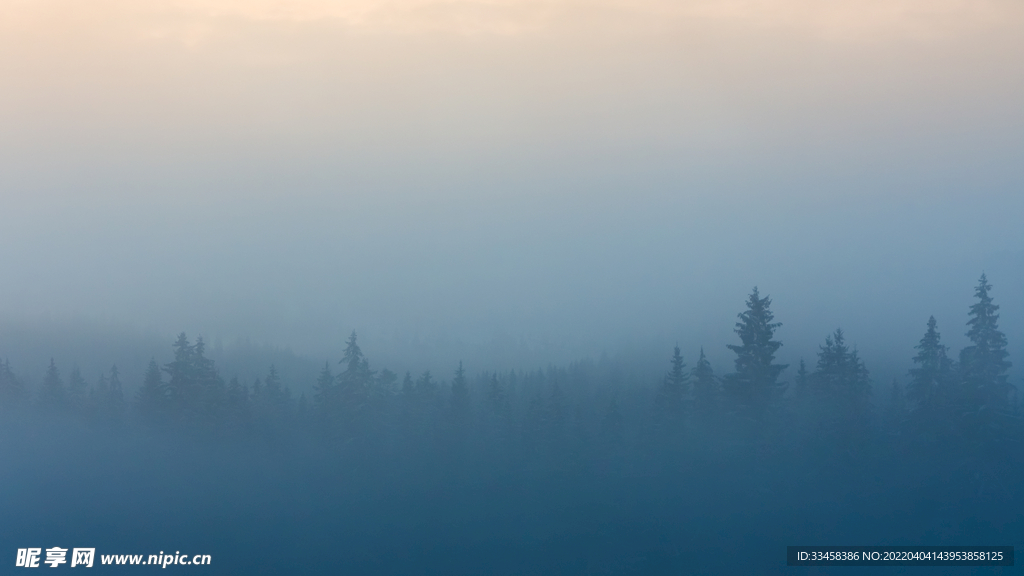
[[580, 176]]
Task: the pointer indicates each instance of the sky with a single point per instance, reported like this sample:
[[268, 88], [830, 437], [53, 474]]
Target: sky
[[512, 182]]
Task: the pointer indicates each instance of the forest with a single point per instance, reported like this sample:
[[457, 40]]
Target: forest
[[577, 469]]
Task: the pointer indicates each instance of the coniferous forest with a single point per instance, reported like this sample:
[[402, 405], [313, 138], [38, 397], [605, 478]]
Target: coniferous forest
[[576, 469]]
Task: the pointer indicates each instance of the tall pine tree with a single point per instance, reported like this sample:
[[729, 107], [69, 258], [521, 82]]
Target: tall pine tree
[[755, 383], [931, 376], [840, 372], [52, 394], [673, 390], [984, 363]]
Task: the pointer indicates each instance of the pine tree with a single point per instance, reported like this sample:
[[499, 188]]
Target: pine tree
[[353, 356], [324, 390], [755, 383], [151, 398], [52, 394], [984, 363], [705, 386], [275, 395], [237, 404], [271, 405], [496, 398], [210, 393], [355, 380], [931, 377], [257, 396], [841, 373], [426, 388], [458, 417], [512, 387], [384, 384], [839, 403], [181, 386], [353, 388], [672, 393], [12, 392]]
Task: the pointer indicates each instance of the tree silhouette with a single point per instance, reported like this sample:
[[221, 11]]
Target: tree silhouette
[[672, 393], [932, 377], [12, 391], [755, 384], [841, 373], [52, 394], [151, 399], [984, 363]]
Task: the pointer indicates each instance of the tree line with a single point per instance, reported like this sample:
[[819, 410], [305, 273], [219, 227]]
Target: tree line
[[965, 398]]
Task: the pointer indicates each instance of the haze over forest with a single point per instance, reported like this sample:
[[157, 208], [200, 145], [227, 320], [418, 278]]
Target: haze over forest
[[508, 183], [542, 219]]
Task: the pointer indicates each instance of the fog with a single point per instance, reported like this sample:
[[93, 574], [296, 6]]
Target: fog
[[517, 186], [578, 179]]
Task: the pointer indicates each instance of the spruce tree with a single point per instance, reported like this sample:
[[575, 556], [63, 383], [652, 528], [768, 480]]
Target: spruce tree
[[426, 387], [12, 392], [237, 404], [275, 395], [181, 385], [355, 380], [384, 384], [841, 374], [705, 386], [324, 391], [210, 394], [353, 387], [270, 408], [52, 394], [151, 399], [984, 363], [496, 398], [931, 377], [674, 387], [458, 416], [755, 383], [257, 395]]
